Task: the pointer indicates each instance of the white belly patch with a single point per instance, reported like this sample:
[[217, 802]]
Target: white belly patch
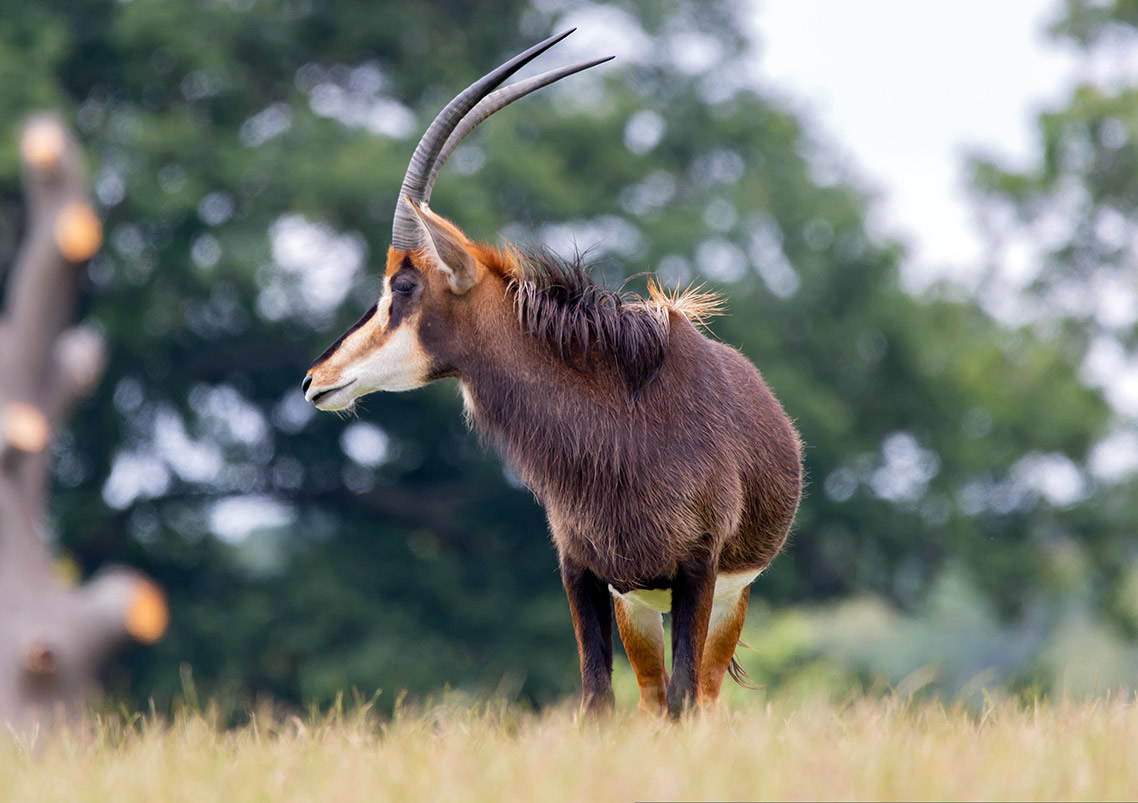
[[727, 587]]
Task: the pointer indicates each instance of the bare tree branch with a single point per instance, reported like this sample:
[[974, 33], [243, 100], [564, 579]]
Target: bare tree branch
[[52, 638], [63, 232]]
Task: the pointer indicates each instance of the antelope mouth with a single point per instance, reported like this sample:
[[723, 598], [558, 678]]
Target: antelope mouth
[[320, 399]]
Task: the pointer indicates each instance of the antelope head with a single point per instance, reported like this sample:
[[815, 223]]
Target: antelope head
[[431, 266]]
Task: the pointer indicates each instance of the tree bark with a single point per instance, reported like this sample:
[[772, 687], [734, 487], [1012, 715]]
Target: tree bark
[[52, 637]]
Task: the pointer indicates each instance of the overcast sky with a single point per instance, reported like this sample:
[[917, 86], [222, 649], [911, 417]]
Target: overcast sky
[[907, 88]]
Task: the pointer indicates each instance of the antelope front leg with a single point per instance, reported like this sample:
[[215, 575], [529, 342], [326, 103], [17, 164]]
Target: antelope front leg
[[592, 622], [693, 591]]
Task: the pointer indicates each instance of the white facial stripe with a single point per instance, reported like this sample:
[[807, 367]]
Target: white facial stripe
[[399, 364], [383, 306]]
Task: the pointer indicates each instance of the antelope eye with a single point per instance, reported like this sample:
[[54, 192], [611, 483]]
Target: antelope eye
[[403, 286]]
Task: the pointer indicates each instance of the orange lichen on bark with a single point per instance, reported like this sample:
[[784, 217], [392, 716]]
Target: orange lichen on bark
[[25, 428], [42, 145], [147, 615], [78, 232]]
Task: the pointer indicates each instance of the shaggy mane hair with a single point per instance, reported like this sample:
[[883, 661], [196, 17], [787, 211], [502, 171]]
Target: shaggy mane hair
[[558, 302]]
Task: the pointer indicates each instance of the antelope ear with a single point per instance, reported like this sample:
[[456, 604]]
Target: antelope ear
[[446, 251]]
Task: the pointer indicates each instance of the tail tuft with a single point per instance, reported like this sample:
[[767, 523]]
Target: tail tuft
[[740, 676], [693, 302]]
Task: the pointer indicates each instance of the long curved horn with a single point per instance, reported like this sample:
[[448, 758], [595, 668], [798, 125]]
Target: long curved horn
[[405, 231], [496, 101]]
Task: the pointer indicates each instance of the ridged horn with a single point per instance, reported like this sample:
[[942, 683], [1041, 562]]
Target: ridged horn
[[496, 101], [405, 233]]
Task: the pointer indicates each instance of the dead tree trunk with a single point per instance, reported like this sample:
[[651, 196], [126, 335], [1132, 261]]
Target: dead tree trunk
[[52, 638]]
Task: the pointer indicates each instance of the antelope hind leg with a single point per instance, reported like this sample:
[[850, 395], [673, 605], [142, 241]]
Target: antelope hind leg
[[642, 633], [727, 615], [693, 591]]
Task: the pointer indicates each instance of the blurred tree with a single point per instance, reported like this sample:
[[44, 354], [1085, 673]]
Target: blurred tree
[[52, 637], [248, 157], [1063, 265]]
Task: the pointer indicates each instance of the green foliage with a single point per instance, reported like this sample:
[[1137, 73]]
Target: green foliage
[[247, 154], [1073, 213], [952, 646]]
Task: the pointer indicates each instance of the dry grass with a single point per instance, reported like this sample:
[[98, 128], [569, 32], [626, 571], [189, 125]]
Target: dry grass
[[864, 749]]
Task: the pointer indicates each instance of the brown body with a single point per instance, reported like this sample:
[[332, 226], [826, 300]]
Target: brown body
[[661, 457], [703, 458], [669, 472]]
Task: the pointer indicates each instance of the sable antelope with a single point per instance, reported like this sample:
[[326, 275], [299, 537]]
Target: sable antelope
[[669, 473]]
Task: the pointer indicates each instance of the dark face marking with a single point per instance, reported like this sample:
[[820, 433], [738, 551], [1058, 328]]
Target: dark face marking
[[367, 316], [405, 287], [406, 292]]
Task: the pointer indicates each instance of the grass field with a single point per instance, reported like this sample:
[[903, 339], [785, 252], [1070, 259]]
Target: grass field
[[863, 749]]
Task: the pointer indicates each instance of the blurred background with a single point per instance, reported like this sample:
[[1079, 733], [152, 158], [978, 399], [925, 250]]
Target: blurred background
[[926, 250]]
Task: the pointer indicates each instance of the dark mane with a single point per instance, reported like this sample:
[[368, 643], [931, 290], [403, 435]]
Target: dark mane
[[558, 302]]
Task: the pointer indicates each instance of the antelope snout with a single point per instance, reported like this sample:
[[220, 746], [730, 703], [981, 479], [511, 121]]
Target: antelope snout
[[326, 396]]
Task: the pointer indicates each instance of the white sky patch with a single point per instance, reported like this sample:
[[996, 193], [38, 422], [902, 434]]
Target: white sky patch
[[720, 166], [693, 52], [366, 444], [720, 215], [904, 473], [314, 267], [905, 91], [1109, 366], [720, 260], [205, 251], [353, 96], [1054, 476], [769, 259], [841, 484], [1122, 392], [170, 451], [643, 131], [192, 460], [229, 415], [293, 412], [1116, 301], [235, 518], [908, 88], [601, 29], [266, 124], [216, 208], [135, 475], [109, 187], [650, 194], [1115, 457], [467, 160], [607, 234], [674, 271]]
